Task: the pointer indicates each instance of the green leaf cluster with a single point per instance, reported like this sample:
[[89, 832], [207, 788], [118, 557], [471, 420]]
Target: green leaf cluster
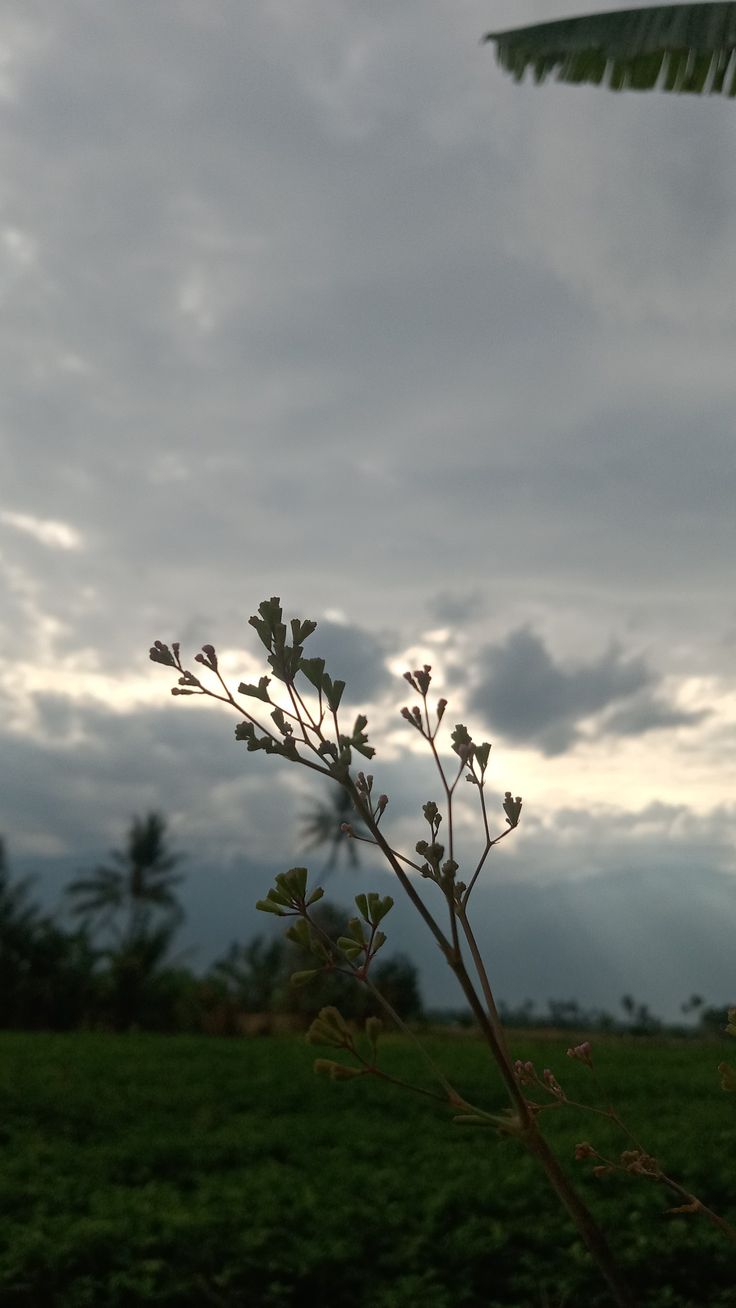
[[285, 659], [330, 1028], [246, 731], [268, 622], [358, 740], [289, 895], [373, 907]]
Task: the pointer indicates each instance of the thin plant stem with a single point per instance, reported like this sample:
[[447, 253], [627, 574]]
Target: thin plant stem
[[483, 978]]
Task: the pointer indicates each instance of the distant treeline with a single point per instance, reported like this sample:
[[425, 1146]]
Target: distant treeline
[[113, 968], [635, 1019]]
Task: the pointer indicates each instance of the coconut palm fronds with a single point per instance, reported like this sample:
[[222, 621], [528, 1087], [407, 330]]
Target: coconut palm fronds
[[687, 48]]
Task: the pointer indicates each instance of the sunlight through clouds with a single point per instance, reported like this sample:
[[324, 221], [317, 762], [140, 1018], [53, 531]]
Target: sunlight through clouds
[[47, 531]]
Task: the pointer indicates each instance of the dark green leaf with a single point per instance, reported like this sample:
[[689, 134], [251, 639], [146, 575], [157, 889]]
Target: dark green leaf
[[314, 670], [684, 48], [301, 630], [333, 691], [258, 692]]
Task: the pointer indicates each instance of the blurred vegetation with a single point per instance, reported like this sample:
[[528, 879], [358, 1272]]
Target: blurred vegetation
[[188, 1171], [115, 970]]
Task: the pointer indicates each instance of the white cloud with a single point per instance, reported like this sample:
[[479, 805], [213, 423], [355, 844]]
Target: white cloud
[[47, 531]]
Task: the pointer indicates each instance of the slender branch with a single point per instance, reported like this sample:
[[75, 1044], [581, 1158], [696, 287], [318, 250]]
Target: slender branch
[[355, 973], [305, 708], [483, 978], [368, 840], [483, 857], [592, 1235], [696, 1205]]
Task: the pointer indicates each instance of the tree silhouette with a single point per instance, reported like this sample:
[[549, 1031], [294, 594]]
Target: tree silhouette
[[139, 881], [18, 916], [321, 828], [124, 898], [686, 48], [46, 976], [253, 973]]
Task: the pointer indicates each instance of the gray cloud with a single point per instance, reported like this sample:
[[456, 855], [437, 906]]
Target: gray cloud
[[647, 713], [457, 609], [356, 656], [531, 699], [237, 329], [324, 306]]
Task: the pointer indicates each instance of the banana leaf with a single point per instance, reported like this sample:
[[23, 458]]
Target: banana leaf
[[686, 48]]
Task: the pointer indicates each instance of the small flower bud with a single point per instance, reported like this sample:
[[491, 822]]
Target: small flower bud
[[441, 706], [422, 678], [582, 1053], [209, 650], [512, 808], [551, 1082], [382, 803], [160, 653], [525, 1072], [346, 829], [584, 1150]]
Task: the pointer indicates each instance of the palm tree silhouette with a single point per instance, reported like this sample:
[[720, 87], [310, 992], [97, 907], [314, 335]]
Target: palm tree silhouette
[[123, 898], [139, 880], [686, 48], [321, 827], [19, 917]]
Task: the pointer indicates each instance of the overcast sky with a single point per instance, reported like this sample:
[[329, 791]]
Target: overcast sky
[[313, 300]]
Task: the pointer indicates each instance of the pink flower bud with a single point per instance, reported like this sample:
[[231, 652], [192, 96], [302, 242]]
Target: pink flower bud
[[584, 1150], [582, 1052]]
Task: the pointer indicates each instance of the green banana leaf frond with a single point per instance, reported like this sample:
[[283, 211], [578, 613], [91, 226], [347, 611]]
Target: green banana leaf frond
[[686, 48]]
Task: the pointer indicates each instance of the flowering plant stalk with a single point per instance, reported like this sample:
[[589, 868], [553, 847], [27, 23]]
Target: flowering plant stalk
[[305, 728]]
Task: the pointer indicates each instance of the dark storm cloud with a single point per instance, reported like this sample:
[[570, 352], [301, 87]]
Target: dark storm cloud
[[276, 276], [646, 713], [531, 699], [354, 655], [86, 770]]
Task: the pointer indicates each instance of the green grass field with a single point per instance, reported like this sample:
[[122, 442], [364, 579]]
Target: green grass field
[[197, 1171]]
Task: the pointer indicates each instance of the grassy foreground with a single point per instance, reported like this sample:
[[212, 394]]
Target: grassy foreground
[[195, 1171]]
